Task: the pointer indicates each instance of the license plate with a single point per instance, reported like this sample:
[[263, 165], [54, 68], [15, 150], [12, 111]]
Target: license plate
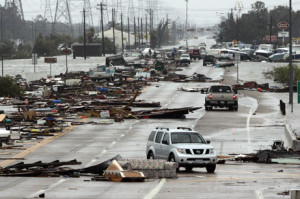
[[199, 161], [222, 102]]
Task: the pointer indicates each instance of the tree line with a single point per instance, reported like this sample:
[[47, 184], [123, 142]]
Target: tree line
[[259, 22]]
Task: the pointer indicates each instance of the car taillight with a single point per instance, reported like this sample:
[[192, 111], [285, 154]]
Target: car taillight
[[210, 96], [234, 97]]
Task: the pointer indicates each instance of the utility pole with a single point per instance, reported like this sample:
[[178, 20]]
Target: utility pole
[[150, 11], [102, 29], [2, 66], [84, 35], [1, 10], [113, 21], [146, 32], [128, 34], [122, 33], [139, 33], [291, 70], [270, 29], [237, 29], [186, 23], [134, 34], [142, 36]]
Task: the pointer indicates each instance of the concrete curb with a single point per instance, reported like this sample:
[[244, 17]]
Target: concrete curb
[[291, 141]]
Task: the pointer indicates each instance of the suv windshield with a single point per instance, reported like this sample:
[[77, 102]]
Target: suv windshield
[[178, 138]]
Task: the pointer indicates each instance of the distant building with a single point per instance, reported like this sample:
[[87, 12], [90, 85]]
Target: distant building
[[118, 37]]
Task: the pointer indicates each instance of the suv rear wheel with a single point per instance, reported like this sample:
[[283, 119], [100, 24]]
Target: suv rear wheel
[[211, 168], [150, 155]]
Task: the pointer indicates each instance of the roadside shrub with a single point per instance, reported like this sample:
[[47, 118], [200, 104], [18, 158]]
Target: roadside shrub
[[281, 74], [9, 87]]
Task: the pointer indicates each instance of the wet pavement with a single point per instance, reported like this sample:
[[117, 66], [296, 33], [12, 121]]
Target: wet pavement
[[257, 123]]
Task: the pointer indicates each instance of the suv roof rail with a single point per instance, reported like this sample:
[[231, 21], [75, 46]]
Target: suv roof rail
[[185, 128], [158, 127]]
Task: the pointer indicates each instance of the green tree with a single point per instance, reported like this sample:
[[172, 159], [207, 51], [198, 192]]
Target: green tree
[[9, 87]]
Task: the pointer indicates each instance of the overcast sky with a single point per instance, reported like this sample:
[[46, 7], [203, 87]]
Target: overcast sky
[[201, 12]]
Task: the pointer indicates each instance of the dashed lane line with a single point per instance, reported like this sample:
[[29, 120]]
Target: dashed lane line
[[156, 189]]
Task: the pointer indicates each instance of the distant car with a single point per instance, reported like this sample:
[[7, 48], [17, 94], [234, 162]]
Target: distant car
[[182, 49], [226, 54], [277, 57], [209, 60], [195, 54], [185, 58], [203, 53], [202, 45], [182, 145]]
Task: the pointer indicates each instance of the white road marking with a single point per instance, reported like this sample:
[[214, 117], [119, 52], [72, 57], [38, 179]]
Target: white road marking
[[259, 194], [36, 194], [251, 111], [113, 143], [156, 189]]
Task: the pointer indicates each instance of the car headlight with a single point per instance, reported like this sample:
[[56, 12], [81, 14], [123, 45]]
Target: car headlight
[[181, 150], [211, 151]]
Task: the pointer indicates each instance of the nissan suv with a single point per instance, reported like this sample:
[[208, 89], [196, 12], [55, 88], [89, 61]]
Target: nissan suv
[[182, 145]]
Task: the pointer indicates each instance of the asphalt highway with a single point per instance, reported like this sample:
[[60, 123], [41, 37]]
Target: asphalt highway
[[256, 124]]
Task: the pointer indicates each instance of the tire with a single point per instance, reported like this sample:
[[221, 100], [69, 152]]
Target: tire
[[172, 159], [204, 64], [211, 168], [189, 168], [236, 108], [150, 156], [207, 108]]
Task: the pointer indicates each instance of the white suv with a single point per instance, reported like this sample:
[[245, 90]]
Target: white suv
[[182, 145]]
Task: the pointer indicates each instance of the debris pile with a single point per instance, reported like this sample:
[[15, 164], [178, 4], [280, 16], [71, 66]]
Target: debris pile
[[115, 169]]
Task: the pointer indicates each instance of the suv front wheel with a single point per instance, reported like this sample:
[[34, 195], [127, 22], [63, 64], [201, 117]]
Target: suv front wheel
[[211, 168], [172, 159], [150, 155]]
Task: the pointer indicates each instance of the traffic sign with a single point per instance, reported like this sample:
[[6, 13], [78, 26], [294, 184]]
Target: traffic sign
[[283, 25], [50, 60]]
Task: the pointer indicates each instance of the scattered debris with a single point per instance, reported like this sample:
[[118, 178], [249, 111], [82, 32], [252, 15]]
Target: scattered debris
[[115, 169]]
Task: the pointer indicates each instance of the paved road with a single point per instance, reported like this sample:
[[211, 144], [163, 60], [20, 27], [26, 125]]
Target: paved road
[[253, 127]]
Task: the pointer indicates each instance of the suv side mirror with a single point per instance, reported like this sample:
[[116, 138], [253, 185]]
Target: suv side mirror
[[208, 141], [165, 142]]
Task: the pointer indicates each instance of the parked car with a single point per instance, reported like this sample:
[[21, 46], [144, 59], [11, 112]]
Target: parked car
[[203, 53], [182, 145], [277, 57], [185, 58], [209, 59], [195, 54], [202, 45]]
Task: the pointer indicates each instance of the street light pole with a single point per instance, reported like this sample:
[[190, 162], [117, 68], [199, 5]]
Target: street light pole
[[186, 22], [291, 75]]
